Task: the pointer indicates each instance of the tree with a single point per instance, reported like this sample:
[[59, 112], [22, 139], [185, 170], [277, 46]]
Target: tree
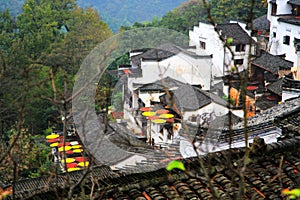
[[226, 10], [184, 17], [37, 73]]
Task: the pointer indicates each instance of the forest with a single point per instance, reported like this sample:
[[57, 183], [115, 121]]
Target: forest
[[114, 12], [41, 48]]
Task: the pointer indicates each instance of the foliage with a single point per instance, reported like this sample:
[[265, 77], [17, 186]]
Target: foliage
[[226, 10], [293, 194], [40, 51], [30, 156], [124, 13], [190, 13], [183, 18], [175, 164]]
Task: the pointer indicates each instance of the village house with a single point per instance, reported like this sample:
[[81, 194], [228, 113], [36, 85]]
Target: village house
[[212, 39], [284, 27], [150, 65], [261, 30], [188, 104]]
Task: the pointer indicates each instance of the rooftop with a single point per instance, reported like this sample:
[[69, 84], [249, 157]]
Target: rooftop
[[270, 115], [294, 2], [290, 83], [290, 20], [261, 23], [163, 52], [160, 85], [271, 63], [276, 87], [270, 169], [234, 31]]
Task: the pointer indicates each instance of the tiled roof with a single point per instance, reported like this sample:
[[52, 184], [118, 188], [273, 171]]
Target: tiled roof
[[46, 186], [225, 118], [295, 2], [263, 103], [290, 83], [261, 23], [163, 52], [290, 20], [234, 31], [290, 124], [162, 84], [276, 87], [270, 115], [190, 98], [271, 63], [270, 169]]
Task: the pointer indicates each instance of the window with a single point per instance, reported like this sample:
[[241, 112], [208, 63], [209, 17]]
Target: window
[[202, 45], [296, 10], [274, 34], [240, 47], [297, 43], [286, 40], [239, 61], [274, 9]]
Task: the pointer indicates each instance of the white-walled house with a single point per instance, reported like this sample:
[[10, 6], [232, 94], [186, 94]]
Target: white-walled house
[[169, 61], [188, 104], [207, 37], [174, 62], [284, 27]]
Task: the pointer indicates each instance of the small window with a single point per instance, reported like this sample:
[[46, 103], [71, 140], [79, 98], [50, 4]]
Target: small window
[[286, 40], [274, 9], [296, 10], [274, 34], [202, 45], [240, 47], [239, 61]]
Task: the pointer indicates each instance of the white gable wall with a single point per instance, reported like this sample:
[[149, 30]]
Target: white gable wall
[[282, 29], [214, 108], [205, 33], [283, 7], [181, 67], [277, 47], [213, 45]]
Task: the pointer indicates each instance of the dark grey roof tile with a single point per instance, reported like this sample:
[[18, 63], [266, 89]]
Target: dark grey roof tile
[[290, 83], [234, 31], [276, 87], [294, 2], [261, 23], [271, 63], [290, 20]]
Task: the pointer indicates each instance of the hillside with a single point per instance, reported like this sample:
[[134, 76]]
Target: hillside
[[115, 12], [126, 12], [14, 6], [179, 15]]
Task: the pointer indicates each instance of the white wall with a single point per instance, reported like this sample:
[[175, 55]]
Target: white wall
[[206, 33], [288, 94], [148, 97], [283, 7], [281, 29], [284, 29], [217, 109], [181, 67]]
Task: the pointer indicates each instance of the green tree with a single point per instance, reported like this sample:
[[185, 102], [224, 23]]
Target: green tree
[[226, 10], [184, 17]]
